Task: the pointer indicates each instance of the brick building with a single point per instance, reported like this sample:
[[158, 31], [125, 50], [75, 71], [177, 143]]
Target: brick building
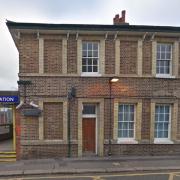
[[71, 66]]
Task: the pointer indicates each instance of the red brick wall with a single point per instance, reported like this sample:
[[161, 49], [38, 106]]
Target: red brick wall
[[29, 128], [146, 116], [128, 57], [29, 54], [179, 60], [52, 56], [72, 54], [147, 58], [47, 151], [107, 126], [110, 55], [178, 124], [144, 149], [53, 120]]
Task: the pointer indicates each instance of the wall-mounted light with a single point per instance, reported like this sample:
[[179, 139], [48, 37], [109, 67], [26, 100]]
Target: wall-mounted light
[[113, 79]]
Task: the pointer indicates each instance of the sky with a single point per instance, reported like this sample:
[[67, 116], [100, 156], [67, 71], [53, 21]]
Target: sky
[[138, 12]]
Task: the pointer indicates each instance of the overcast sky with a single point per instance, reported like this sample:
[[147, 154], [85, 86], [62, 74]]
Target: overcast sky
[[145, 12]]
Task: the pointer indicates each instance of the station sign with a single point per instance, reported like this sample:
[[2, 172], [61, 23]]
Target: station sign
[[9, 99]]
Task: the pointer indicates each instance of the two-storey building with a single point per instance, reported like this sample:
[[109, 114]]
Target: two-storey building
[[71, 67]]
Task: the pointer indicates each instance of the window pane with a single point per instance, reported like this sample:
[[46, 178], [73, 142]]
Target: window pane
[[165, 134], [166, 70], [89, 68], [84, 54], [121, 108], [84, 61], [84, 46], [132, 108], [166, 109], [155, 134], [158, 55], [131, 126], [95, 69], [168, 48], [95, 46], [89, 109], [163, 47], [168, 56], [89, 46], [161, 109], [124, 133], [95, 53], [84, 69], [162, 55], [131, 133], [160, 134], [125, 125], [90, 54], [89, 61], [94, 61], [166, 126], [120, 117], [126, 107], [120, 125], [119, 133], [161, 117]]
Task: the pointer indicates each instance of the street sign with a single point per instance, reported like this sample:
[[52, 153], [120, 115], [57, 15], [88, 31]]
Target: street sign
[[9, 99]]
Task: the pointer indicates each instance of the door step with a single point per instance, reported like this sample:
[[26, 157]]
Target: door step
[[7, 156]]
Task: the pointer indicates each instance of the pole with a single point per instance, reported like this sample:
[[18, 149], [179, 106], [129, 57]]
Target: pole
[[110, 119], [69, 128]]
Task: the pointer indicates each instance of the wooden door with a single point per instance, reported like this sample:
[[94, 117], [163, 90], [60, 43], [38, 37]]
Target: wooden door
[[89, 134]]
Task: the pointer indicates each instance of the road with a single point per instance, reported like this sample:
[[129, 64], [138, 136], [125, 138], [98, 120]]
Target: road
[[134, 176]]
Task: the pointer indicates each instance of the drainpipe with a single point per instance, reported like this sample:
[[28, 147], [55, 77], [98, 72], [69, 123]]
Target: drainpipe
[[69, 127], [110, 119], [71, 95]]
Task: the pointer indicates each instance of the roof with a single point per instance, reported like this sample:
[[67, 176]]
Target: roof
[[92, 27]]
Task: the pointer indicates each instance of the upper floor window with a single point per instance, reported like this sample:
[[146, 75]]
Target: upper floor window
[[90, 57], [162, 122], [164, 59]]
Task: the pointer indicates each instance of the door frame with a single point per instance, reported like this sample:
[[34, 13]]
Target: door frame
[[99, 124], [96, 129], [13, 107]]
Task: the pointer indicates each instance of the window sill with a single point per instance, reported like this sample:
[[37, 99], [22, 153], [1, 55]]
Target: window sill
[[163, 141], [90, 74], [127, 141], [164, 76]]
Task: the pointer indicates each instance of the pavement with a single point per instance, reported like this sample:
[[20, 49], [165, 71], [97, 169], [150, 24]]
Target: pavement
[[90, 165]]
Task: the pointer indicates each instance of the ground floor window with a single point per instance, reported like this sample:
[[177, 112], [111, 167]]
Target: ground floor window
[[126, 119], [162, 121]]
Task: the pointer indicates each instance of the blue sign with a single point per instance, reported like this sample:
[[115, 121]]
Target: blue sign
[[9, 99]]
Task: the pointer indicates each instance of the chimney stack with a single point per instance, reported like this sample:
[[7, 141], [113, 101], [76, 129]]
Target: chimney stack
[[120, 20]]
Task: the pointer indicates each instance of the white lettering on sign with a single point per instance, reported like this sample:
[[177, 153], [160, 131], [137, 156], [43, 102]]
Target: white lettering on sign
[[6, 99]]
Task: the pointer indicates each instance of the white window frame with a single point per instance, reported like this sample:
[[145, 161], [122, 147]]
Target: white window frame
[[98, 63], [168, 139], [129, 140], [163, 75]]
